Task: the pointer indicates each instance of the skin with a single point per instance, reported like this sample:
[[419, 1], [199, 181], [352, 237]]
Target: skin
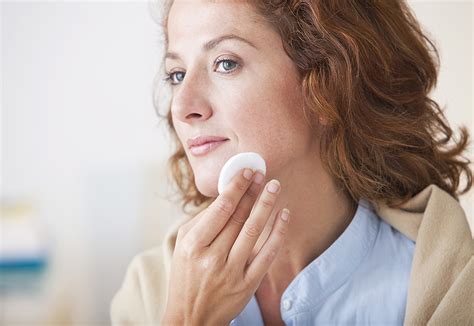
[[256, 102]]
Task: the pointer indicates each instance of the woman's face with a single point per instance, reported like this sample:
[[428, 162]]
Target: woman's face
[[234, 80]]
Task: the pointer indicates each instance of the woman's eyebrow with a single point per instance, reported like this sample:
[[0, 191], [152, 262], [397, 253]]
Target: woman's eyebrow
[[213, 43]]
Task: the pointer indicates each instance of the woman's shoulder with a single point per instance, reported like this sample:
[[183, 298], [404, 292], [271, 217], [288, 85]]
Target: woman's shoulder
[[432, 210], [157, 257], [142, 295], [145, 284], [149, 258], [438, 224]]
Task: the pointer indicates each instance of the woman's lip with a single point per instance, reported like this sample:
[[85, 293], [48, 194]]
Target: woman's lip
[[206, 148]]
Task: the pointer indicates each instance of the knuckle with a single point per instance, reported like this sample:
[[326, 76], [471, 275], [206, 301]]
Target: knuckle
[[251, 193], [240, 185], [249, 282], [188, 248], [238, 219], [224, 205], [252, 230], [281, 231], [209, 261], [269, 257], [267, 203]]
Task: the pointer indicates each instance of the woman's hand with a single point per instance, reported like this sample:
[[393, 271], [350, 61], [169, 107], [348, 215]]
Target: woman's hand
[[212, 277]]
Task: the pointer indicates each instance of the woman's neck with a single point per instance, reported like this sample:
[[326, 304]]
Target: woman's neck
[[320, 212]]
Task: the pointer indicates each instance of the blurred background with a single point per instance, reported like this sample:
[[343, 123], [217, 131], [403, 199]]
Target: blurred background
[[84, 186]]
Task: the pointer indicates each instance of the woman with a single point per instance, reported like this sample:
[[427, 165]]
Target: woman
[[334, 96]]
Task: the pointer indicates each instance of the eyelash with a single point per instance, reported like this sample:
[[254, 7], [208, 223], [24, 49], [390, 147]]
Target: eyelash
[[168, 78]]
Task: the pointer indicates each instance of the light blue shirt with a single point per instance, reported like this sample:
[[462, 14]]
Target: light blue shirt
[[361, 279]]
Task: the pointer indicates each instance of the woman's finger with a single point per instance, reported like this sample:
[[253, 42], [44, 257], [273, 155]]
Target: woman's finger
[[219, 212], [256, 270], [226, 238], [254, 225], [184, 228]]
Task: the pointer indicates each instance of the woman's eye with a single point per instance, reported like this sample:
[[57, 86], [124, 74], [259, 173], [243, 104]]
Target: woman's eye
[[175, 77], [227, 65]]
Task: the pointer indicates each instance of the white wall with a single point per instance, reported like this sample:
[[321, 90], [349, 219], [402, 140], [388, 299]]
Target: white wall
[[80, 138], [80, 135], [449, 24]]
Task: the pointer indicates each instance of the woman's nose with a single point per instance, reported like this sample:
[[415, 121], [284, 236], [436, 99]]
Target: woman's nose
[[190, 101]]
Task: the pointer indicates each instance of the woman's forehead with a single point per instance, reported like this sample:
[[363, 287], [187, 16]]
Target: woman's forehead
[[200, 16], [198, 22]]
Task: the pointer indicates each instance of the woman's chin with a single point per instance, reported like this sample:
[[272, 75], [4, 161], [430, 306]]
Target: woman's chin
[[207, 185]]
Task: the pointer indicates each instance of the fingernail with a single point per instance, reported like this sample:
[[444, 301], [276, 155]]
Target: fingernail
[[285, 214], [258, 178], [273, 186], [248, 174]]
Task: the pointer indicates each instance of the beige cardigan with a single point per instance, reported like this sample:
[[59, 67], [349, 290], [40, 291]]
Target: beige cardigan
[[441, 288]]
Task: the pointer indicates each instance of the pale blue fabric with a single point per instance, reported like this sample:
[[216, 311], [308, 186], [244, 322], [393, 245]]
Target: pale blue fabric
[[361, 279]]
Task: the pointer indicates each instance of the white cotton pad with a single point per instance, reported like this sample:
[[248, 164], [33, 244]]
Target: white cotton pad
[[236, 163]]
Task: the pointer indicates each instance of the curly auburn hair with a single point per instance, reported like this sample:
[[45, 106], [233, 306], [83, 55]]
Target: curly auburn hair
[[367, 68]]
